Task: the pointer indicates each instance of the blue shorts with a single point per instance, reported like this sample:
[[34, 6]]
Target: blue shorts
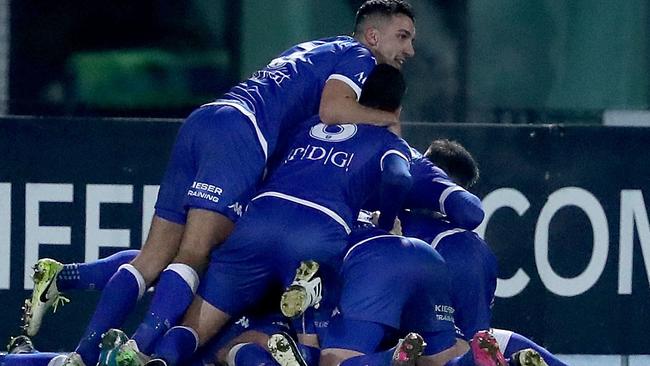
[[269, 323], [369, 337], [216, 164], [400, 283], [264, 251]]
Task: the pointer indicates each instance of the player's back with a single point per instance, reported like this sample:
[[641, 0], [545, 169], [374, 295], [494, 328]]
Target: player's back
[[288, 90], [337, 166], [472, 267]]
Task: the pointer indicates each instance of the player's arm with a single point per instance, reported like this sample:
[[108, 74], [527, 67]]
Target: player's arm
[[395, 184], [432, 189], [339, 104], [462, 208]]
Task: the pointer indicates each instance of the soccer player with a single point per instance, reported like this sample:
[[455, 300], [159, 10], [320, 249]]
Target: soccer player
[[219, 159], [303, 212], [52, 278], [391, 285], [472, 264], [472, 270]]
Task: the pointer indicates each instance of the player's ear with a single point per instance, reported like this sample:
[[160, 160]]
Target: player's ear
[[371, 35]]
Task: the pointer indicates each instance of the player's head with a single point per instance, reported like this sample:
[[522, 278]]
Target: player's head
[[383, 89], [455, 160], [387, 27]]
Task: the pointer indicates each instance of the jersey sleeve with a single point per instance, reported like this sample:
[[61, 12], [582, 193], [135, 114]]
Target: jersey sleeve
[[395, 181], [396, 146], [353, 67], [432, 189]]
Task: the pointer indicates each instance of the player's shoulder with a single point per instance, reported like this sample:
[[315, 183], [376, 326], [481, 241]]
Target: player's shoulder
[[424, 168], [347, 45], [462, 241], [403, 146]]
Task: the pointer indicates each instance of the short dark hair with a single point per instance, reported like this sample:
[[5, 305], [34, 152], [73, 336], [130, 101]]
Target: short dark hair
[[384, 8], [455, 160], [384, 88]]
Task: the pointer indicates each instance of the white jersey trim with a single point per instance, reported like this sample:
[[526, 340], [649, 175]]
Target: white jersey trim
[[348, 81], [502, 336], [396, 152], [444, 234], [313, 205], [367, 240], [445, 194], [260, 137]]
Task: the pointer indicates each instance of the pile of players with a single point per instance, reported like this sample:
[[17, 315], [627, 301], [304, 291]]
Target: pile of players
[[257, 250]]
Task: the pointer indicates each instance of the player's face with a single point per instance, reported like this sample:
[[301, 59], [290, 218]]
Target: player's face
[[395, 41]]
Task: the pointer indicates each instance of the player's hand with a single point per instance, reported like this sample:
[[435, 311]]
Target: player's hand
[[374, 218], [397, 227]]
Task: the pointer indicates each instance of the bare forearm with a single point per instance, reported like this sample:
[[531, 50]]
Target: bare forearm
[[349, 111]]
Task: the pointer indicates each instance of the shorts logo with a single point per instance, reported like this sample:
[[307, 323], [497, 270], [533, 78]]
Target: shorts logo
[[444, 312], [206, 191], [334, 133], [237, 207], [243, 322]]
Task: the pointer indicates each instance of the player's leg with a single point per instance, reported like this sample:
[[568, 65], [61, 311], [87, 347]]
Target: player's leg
[[259, 257], [287, 351], [244, 341], [179, 280], [51, 278], [511, 343], [201, 322], [349, 339], [484, 351], [240, 273], [21, 352], [128, 284], [229, 167], [29, 359]]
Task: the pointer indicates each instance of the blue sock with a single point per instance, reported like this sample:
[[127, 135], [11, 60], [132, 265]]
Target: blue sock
[[27, 359], [174, 294], [178, 345], [118, 299], [253, 354], [380, 358], [518, 342], [93, 275], [310, 354]]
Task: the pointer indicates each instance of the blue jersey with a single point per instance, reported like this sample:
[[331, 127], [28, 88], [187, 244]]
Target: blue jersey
[[432, 189], [288, 90], [472, 268], [335, 168], [399, 282]]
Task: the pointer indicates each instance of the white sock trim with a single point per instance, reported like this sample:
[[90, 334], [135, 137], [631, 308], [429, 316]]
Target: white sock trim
[[187, 273], [503, 337], [194, 333], [230, 359], [57, 361], [142, 286]]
